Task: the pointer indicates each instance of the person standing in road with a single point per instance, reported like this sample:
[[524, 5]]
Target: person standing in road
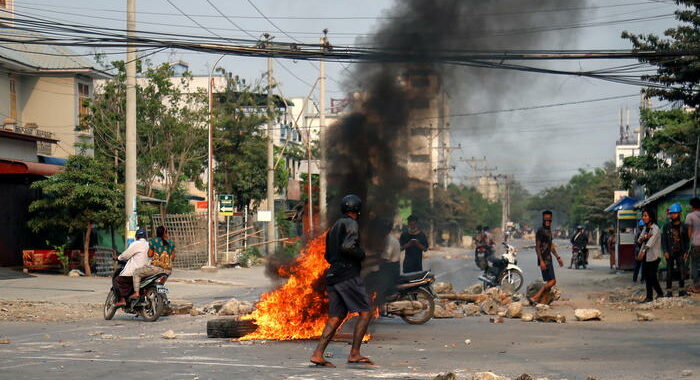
[[650, 254], [638, 264], [603, 242], [346, 291], [612, 242], [693, 223], [544, 248], [414, 243], [675, 244]]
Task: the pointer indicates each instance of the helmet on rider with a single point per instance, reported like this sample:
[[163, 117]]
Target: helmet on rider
[[350, 203], [140, 233], [676, 207]]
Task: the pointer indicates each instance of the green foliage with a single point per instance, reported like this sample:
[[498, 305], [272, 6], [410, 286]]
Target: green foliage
[[241, 145], [61, 254], [75, 199], [247, 258], [462, 207], [580, 201], [669, 150], [678, 75], [171, 127], [670, 147]]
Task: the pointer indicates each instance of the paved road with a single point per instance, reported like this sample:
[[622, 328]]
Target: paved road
[[606, 350]]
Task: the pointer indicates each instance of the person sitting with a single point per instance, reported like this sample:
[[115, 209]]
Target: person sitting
[[580, 241], [137, 256], [162, 250]]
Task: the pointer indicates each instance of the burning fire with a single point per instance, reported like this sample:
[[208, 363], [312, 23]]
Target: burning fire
[[296, 310]]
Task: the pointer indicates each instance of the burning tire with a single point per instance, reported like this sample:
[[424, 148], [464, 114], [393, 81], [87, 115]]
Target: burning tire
[[230, 328]]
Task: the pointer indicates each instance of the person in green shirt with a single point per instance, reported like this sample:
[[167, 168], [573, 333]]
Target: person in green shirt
[[162, 249]]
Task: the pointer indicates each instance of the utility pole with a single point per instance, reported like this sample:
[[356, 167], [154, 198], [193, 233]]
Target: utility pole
[[270, 161], [130, 172], [322, 195]]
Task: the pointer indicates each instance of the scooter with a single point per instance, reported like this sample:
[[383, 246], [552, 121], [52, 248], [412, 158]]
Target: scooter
[[414, 300], [504, 272], [579, 257], [150, 305]]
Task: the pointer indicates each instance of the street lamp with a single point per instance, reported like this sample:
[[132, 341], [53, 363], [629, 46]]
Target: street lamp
[[211, 222]]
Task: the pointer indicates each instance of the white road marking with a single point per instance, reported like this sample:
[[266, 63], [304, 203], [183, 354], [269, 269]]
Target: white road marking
[[17, 365]]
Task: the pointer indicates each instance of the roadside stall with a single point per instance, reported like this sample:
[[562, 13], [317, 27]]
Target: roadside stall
[[626, 222]]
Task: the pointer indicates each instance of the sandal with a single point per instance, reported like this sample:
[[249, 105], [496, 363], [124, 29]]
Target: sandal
[[324, 363], [362, 360]]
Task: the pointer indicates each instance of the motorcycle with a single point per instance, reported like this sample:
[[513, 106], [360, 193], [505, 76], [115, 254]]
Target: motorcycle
[[579, 257], [150, 305], [414, 300], [504, 272]]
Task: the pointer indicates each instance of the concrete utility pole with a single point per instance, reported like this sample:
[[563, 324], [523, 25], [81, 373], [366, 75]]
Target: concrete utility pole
[[322, 136], [270, 161], [130, 172], [211, 202]]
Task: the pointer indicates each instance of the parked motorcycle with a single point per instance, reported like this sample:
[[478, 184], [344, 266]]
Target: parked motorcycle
[[414, 300], [504, 271], [579, 257], [150, 305]]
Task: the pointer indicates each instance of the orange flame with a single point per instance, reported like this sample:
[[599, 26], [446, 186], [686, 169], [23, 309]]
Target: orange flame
[[296, 310]]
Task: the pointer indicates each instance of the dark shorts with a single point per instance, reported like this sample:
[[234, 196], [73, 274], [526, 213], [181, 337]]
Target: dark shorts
[[346, 297], [548, 273]]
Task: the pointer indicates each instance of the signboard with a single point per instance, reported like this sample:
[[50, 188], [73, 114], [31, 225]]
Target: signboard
[[627, 214], [264, 216], [202, 205], [226, 204]]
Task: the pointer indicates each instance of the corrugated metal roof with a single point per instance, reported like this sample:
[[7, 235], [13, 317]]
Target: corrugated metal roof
[[625, 203], [662, 193], [40, 57]]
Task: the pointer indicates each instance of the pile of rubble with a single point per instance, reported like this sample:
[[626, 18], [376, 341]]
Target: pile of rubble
[[232, 307], [629, 299], [475, 301]]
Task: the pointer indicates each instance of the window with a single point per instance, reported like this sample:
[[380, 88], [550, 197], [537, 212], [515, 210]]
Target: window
[[83, 96], [13, 98]]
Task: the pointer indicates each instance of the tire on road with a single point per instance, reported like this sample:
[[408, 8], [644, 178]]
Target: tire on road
[[230, 328]]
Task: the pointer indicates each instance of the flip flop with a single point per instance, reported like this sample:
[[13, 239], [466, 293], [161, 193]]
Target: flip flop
[[362, 360], [324, 363]]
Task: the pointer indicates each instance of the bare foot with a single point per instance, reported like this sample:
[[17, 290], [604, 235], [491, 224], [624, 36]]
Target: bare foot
[[359, 359], [319, 361]]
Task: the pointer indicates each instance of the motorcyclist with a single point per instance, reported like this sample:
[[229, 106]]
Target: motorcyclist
[[489, 242], [137, 256], [580, 241]]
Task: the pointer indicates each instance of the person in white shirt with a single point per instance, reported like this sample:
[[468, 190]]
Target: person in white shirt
[[650, 253], [137, 254], [692, 220]]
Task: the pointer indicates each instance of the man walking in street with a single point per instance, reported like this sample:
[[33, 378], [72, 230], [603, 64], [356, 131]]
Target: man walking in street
[[414, 243], [545, 249], [346, 291], [675, 245], [693, 223]]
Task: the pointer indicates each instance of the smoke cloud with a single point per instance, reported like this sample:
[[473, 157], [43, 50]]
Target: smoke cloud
[[367, 150]]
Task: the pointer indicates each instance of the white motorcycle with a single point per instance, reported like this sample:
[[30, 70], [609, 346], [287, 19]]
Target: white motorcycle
[[504, 271]]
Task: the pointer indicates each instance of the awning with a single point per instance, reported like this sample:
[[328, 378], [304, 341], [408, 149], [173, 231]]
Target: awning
[[146, 199], [624, 203], [662, 193], [26, 167]]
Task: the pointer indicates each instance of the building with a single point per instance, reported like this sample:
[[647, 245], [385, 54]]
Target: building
[[488, 187], [45, 87], [428, 160]]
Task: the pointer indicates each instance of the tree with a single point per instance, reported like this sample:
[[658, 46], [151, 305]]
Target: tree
[[240, 146], [81, 196], [171, 127], [669, 146]]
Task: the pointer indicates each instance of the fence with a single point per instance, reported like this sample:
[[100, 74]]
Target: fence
[[189, 231]]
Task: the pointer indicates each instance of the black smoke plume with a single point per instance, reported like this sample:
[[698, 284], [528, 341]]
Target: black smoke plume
[[367, 150]]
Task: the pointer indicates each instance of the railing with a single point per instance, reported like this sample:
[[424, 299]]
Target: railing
[[43, 148]]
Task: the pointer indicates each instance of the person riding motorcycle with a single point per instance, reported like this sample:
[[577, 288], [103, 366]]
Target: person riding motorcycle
[[137, 256], [489, 243], [580, 241]]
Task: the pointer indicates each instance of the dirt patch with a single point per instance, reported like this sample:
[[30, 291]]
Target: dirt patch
[[43, 311], [624, 303]]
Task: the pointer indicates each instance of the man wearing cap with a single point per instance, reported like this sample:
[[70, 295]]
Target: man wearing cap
[[675, 243]]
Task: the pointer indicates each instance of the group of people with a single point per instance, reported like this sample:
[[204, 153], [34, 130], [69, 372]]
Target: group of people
[[144, 258], [344, 282], [676, 242]]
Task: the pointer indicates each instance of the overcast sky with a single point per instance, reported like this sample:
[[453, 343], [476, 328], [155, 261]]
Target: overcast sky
[[541, 147]]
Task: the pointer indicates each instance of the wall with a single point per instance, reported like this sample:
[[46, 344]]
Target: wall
[[51, 103], [4, 95], [18, 150]]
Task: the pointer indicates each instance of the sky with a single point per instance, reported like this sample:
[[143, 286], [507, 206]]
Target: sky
[[539, 147]]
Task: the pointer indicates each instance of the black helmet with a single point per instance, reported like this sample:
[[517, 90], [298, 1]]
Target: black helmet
[[350, 203], [140, 233]]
